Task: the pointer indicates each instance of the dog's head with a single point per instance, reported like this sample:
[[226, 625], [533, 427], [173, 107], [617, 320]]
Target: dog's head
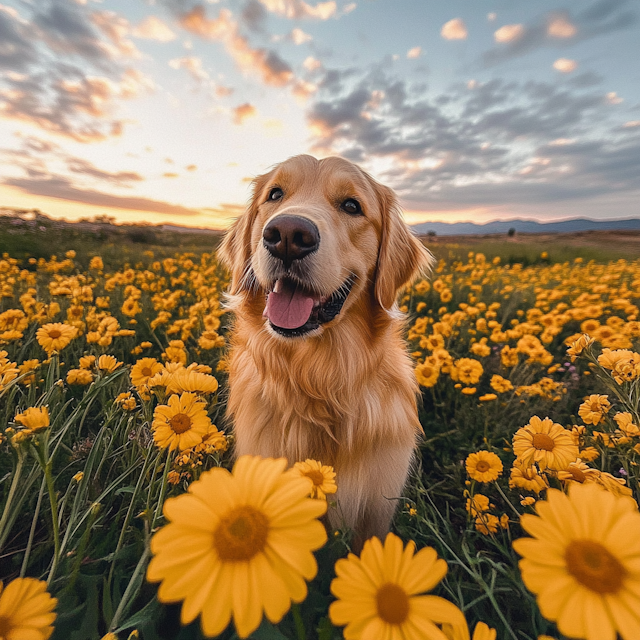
[[317, 236]]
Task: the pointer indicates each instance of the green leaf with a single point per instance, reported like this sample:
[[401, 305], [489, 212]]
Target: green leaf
[[148, 614]]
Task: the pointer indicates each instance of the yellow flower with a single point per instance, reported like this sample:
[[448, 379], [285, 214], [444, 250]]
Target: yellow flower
[[144, 369], [34, 418], [182, 423], [55, 336], [28, 366], [96, 263], [108, 364], [579, 345], [528, 501], [582, 562], [488, 397], [427, 374], [592, 410], [589, 454], [86, 362], [378, 594], [238, 544], [527, 477], [190, 380], [484, 632], [468, 391], [477, 504], [26, 610], [321, 476], [78, 476], [487, 523], [79, 376], [500, 384], [625, 424], [546, 443], [509, 357], [467, 371], [484, 466], [623, 364], [126, 401]]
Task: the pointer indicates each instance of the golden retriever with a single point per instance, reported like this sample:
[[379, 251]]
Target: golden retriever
[[318, 367]]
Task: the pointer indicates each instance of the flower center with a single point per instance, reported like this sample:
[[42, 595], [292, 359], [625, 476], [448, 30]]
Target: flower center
[[483, 466], [54, 333], [594, 566], [578, 474], [146, 371], [180, 423], [393, 603], [543, 441], [241, 534], [316, 477]]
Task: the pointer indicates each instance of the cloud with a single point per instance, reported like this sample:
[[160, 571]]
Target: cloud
[[152, 28], [509, 33], [243, 112], [414, 53], [266, 63], [312, 64], [299, 36], [192, 65], [297, 9], [454, 30], [62, 189], [66, 72], [487, 143], [118, 178], [562, 29], [565, 65]]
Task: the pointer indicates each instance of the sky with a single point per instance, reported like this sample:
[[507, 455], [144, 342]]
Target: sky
[[163, 111]]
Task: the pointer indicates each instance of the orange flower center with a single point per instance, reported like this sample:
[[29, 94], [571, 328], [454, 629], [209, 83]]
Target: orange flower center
[[146, 371], [55, 333], [578, 474], [393, 603], [543, 441], [483, 466], [594, 566], [316, 477], [241, 534], [180, 423]]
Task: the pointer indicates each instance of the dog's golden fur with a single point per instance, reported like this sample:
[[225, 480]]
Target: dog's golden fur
[[346, 393]]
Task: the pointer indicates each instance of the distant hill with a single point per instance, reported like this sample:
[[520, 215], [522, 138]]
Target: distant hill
[[525, 226]]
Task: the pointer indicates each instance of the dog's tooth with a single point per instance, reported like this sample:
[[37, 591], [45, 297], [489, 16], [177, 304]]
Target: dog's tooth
[[278, 286]]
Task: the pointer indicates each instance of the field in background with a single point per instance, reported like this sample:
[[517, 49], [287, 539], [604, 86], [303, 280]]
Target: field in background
[[140, 317]]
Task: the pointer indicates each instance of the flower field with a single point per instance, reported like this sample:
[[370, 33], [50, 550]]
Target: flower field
[[124, 515]]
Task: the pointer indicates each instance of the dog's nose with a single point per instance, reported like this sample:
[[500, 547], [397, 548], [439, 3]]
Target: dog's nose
[[290, 238]]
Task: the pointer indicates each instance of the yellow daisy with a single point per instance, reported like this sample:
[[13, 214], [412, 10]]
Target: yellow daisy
[[427, 373], [527, 478], [579, 345], [26, 610], [322, 476], [34, 418], [379, 593], [467, 371], [582, 562], [625, 423], [108, 364], [546, 443], [484, 466], [238, 544], [144, 369], [55, 336], [182, 423], [500, 384], [594, 408]]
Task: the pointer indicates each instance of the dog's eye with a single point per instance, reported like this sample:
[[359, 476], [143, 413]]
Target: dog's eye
[[276, 194], [351, 206]]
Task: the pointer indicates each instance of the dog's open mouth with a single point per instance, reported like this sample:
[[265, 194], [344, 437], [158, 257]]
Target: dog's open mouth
[[293, 310]]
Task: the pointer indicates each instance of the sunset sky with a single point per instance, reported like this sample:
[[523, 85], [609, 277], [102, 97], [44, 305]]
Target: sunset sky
[[164, 110]]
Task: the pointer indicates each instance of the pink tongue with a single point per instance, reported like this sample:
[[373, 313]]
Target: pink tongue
[[289, 308]]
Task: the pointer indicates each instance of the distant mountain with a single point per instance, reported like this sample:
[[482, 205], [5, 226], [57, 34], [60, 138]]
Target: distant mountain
[[525, 226]]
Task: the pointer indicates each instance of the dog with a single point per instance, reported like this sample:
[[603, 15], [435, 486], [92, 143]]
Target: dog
[[318, 367]]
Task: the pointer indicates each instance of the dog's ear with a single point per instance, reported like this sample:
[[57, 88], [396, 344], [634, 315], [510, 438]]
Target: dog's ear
[[235, 250], [401, 256]]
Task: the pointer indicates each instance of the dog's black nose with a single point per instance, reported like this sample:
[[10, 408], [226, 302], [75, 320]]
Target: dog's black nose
[[290, 238]]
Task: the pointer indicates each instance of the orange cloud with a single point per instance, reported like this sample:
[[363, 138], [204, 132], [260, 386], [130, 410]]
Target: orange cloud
[[116, 28], [273, 70], [152, 28], [191, 64], [295, 9], [244, 111], [454, 30], [565, 65], [560, 27], [509, 33], [414, 53]]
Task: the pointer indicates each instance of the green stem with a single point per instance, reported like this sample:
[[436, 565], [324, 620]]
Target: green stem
[[502, 493], [34, 522], [163, 490], [12, 492], [134, 585], [54, 520], [299, 622]]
